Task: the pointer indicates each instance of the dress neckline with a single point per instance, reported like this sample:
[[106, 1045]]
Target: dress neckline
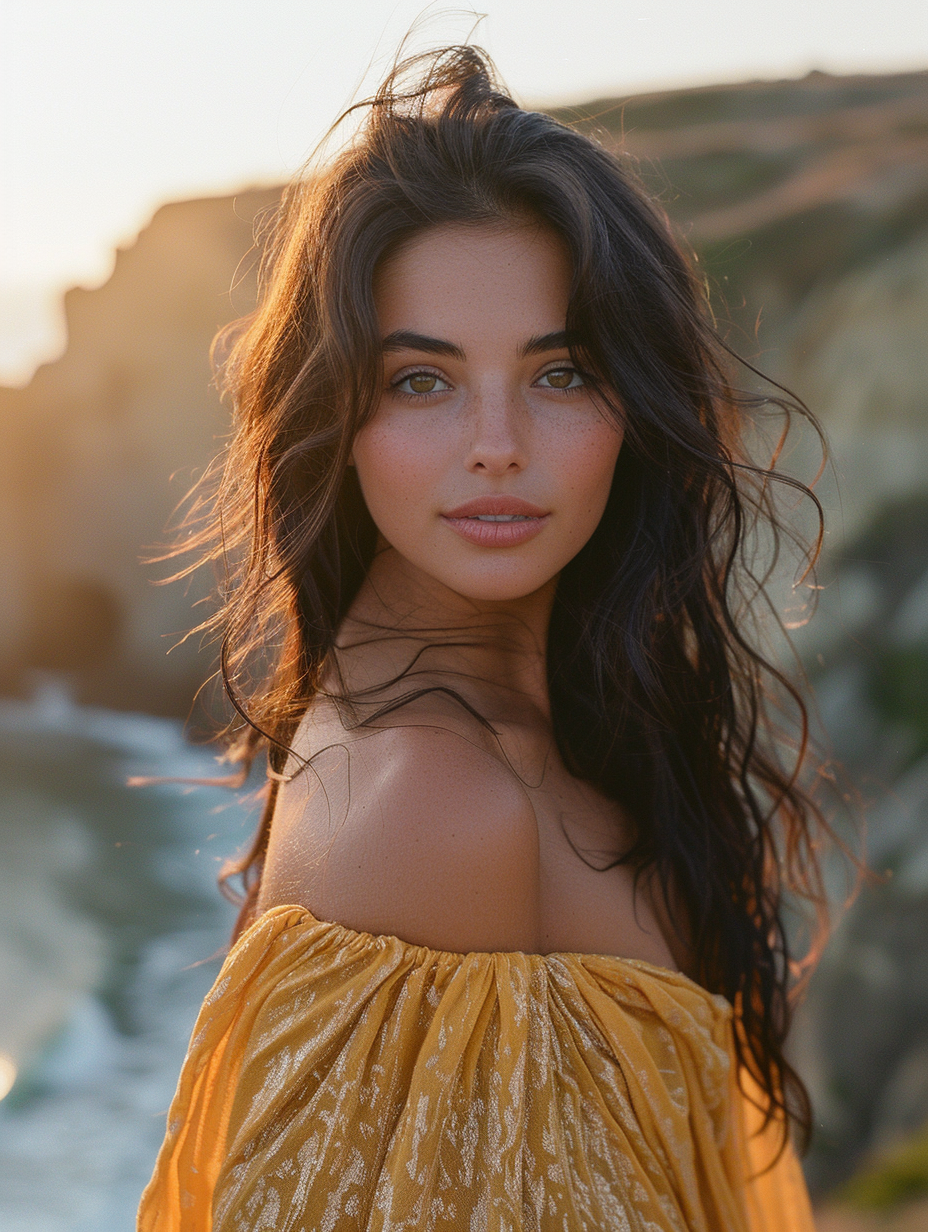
[[425, 952]]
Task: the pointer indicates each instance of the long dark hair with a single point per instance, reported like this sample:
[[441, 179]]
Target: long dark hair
[[659, 695]]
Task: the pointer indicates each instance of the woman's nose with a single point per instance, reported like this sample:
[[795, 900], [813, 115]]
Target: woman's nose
[[497, 431]]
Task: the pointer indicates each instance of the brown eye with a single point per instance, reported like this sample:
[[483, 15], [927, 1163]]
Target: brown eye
[[562, 378], [421, 383]]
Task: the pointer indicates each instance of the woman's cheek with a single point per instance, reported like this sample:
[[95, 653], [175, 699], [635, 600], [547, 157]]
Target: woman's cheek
[[589, 460], [398, 470]]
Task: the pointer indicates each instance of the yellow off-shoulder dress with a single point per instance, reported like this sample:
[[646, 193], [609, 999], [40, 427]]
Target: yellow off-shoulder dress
[[340, 1081]]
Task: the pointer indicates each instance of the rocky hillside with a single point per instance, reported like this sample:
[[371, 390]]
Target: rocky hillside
[[96, 452], [806, 203]]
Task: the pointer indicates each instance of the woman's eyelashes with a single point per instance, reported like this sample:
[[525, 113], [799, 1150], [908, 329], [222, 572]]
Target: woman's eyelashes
[[563, 378], [421, 383]]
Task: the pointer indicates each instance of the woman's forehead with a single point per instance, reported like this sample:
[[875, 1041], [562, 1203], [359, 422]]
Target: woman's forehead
[[476, 280]]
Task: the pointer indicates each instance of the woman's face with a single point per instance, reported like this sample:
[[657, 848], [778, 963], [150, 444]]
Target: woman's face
[[488, 461]]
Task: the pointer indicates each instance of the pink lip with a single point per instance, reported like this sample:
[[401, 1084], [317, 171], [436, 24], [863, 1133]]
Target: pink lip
[[463, 519], [502, 505]]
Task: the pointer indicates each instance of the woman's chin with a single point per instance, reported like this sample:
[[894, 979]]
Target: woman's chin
[[497, 586], [499, 578]]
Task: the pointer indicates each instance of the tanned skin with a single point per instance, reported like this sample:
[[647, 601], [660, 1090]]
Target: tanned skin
[[428, 827]]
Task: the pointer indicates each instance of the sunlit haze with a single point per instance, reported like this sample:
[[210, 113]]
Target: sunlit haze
[[111, 109]]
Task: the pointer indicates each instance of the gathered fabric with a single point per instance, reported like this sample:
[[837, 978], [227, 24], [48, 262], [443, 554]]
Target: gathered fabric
[[342, 1081]]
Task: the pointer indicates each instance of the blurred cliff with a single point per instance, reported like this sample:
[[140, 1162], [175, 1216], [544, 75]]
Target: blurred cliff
[[807, 205], [96, 452]]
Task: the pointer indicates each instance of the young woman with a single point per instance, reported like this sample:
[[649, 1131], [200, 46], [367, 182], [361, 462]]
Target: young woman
[[511, 952]]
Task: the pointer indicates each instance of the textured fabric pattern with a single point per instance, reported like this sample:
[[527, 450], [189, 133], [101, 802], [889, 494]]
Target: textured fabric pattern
[[339, 1081]]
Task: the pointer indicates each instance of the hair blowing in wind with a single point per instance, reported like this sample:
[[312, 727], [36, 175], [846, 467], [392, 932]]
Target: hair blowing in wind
[[660, 695]]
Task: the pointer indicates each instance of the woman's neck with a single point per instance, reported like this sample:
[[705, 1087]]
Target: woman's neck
[[494, 649]]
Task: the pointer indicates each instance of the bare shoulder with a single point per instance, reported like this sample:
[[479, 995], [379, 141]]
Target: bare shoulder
[[414, 830]]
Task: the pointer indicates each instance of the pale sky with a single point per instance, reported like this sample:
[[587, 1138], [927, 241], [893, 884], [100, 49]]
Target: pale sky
[[109, 109]]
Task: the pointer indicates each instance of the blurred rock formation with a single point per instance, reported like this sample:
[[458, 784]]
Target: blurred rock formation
[[99, 448]]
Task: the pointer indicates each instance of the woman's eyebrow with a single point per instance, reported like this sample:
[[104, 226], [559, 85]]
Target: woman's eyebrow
[[407, 340], [560, 340]]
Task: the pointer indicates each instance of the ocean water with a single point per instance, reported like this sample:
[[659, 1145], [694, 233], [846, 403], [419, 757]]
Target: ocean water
[[111, 933]]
